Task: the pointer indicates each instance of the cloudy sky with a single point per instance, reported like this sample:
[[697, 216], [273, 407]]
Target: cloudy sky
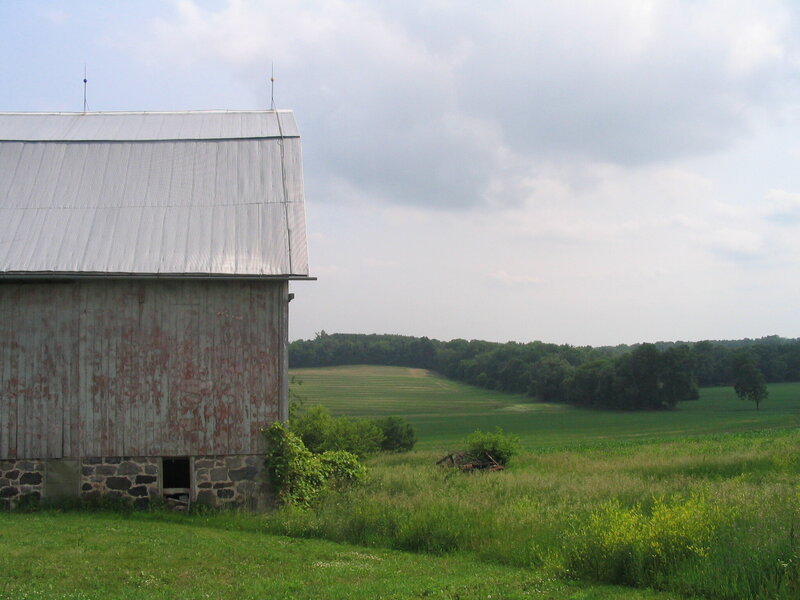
[[576, 172]]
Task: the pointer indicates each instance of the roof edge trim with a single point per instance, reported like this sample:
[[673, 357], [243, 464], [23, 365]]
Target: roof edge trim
[[209, 276], [147, 112], [102, 140]]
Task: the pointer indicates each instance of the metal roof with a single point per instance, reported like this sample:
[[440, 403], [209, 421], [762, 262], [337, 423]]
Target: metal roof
[[212, 193]]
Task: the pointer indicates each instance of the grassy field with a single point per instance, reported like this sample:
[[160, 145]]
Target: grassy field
[[703, 501], [444, 411], [144, 556], [714, 516]]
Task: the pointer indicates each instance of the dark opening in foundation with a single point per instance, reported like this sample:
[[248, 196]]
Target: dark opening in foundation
[[176, 477]]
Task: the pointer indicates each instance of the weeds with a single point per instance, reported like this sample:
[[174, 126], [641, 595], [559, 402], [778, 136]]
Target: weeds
[[715, 527], [634, 546]]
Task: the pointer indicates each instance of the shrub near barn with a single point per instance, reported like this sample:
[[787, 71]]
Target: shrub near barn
[[321, 431], [317, 452], [298, 476]]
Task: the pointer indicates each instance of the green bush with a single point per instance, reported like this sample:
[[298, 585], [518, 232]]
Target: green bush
[[498, 446], [398, 434], [296, 400], [298, 476], [294, 473], [341, 469], [359, 436], [321, 432], [314, 427]]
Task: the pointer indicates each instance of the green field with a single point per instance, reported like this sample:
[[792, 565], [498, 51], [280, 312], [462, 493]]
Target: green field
[[699, 502], [702, 501], [444, 411]]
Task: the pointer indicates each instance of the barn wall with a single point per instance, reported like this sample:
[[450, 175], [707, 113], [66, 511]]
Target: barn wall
[[140, 368]]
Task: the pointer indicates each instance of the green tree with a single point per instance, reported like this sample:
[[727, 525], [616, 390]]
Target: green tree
[[748, 379], [677, 376], [636, 382], [551, 374], [592, 384]]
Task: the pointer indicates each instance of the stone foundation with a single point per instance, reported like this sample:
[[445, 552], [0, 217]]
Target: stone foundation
[[230, 481], [236, 481], [132, 477], [21, 481]]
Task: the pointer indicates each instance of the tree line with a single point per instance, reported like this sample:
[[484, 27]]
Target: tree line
[[641, 376]]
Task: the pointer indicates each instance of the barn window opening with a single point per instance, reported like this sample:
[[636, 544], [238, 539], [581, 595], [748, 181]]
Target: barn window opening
[[176, 475]]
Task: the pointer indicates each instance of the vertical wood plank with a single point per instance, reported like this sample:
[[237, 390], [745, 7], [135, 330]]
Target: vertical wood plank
[[196, 367]]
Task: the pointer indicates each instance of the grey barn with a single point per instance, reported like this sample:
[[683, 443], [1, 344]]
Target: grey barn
[[144, 269]]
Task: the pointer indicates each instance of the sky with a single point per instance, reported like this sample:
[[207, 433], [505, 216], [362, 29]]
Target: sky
[[580, 172]]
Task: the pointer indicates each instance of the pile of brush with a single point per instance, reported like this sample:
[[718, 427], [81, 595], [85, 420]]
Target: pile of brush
[[467, 461]]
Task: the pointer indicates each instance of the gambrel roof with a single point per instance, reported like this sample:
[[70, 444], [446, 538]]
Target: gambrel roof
[[173, 194]]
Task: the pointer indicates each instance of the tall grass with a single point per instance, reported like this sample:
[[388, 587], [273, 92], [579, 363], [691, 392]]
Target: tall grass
[[716, 517]]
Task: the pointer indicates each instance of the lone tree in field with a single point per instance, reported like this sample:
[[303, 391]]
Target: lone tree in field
[[748, 379]]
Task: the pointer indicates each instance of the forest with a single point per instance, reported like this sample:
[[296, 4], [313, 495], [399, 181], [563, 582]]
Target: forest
[[624, 377]]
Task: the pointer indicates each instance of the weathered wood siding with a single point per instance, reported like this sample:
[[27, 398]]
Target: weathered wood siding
[[140, 368]]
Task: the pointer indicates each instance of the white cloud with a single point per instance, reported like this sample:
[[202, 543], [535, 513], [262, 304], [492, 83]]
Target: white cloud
[[514, 279], [455, 105], [574, 171], [739, 244], [783, 207]]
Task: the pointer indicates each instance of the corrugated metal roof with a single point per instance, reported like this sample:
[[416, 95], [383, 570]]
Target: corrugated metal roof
[[191, 193], [141, 126]]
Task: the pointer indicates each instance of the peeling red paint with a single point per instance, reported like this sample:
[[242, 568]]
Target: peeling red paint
[[113, 368]]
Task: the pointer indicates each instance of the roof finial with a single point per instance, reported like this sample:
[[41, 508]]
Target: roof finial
[[272, 88], [85, 81]]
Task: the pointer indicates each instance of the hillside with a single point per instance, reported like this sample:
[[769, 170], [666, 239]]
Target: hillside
[[626, 377], [444, 411]]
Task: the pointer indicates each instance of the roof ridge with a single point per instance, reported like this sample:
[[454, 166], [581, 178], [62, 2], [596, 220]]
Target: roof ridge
[[148, 112]]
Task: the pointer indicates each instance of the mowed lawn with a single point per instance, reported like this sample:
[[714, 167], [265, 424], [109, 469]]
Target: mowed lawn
[[444, 411]]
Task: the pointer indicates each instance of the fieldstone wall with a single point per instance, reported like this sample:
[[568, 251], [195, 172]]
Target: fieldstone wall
[[216, 480], [20, 480], [132, 477], [230, 481]]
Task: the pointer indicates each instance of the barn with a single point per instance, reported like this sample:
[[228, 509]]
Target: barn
[[145, 260]]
